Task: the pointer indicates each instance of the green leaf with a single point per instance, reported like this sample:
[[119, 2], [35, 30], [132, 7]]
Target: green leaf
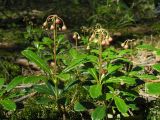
[[158, 52], [1, 82], [124, 52], [73, 53], [22, 79], [109, 96], [43, 89], [16, 81], [37, 60], [146, 47], [146, 76], [93, 71], [73, 65], [95, 90], [153, 88], [112, 68], [43, 100], [122, 79], [33, 79], [79, 107], [63, 76], [120, 104], [99, 113], [71, 84], [156, 67], [47, 41], [8, 104], [92, 58]]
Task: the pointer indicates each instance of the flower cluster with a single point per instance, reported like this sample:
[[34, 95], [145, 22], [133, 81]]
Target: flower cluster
[[76, 36], [128, 44], [100, 35], [54, 22]]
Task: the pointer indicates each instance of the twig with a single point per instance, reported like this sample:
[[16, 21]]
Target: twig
[[25, 97]]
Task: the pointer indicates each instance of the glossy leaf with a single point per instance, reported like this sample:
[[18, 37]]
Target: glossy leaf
[[1, 82], [120, 104], [8, 104], [79, 107], [93, 71], [73, 65], [122, 79], [109, 96], [99, 113], [95, 90], [37, 60], [146, 76], [16, 81], [153, 88], [25, 80], [112, 68]]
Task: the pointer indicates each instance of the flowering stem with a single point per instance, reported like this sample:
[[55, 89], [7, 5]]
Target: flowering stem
[[54, 48], [100, 57]]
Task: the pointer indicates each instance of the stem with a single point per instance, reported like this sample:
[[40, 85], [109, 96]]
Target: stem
[[100, 58], [54, 49], [76, 43]]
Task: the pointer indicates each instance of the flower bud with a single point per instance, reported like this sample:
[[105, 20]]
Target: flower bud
[[79, 37], [110, 39], [126, 46], [103, 42], [64, 28], [52, 27], [58, 21], [74, 36], [107, 42], [60, 29], [122, 44], [45, 24]]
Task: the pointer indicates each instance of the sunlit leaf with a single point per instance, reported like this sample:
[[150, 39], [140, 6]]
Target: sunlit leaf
[[120, 104], [99, 113], [122, 79], [33, 79], [64, 76], [146, 47], [156, 67], [112, 68], [153, 88], [146, 76], [73, 65], [109, 96], [92, 58], [95, 90], [8, 104]]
